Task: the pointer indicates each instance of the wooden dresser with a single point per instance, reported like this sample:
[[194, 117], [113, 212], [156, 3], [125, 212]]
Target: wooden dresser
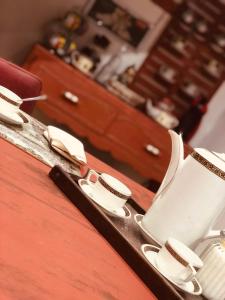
[[109, 123]]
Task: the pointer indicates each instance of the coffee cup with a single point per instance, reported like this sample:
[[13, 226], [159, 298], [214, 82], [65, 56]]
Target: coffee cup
[[111, 193], [9, 98], [190, 89], [167, 73], [178, 262], [167, 120]]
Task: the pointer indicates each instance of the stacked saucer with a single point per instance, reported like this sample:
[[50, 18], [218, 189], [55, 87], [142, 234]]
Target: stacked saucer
[[9, 108]]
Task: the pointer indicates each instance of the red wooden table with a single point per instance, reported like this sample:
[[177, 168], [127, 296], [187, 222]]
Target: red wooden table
[[48, 249]]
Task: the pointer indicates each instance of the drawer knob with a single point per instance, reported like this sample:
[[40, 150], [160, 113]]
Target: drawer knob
[[152, 149], [71, 97]]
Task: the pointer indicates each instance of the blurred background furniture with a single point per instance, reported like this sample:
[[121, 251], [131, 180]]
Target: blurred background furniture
[[188, 59], [109, 123], [20, 81]]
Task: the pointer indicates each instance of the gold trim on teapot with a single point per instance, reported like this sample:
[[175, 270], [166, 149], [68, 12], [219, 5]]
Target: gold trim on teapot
[[211, 167]]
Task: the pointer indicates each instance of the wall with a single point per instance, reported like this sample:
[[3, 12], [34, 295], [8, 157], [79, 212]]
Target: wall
[[23, 23], [211, 133]]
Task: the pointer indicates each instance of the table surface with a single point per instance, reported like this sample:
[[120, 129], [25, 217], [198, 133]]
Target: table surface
[[48, 249]]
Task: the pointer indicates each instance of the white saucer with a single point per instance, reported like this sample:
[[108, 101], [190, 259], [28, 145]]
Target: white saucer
[[12, 115], [123, 212], [144, 232], [192, 287]]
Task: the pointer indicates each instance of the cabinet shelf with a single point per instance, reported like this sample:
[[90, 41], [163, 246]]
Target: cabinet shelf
[[198, 52]]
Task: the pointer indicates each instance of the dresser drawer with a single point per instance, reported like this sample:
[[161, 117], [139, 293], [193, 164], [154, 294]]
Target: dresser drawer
[[90, 111], [133, 138]]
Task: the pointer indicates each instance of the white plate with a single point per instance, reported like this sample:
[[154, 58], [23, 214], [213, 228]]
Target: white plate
[[123, 212], [144, 232], [192, 287]]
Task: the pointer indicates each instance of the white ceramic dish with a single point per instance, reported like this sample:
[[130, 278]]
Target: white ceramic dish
[[67, 143], [58, 148], [13, 98], [12, 116], [192, 287], [146, 235], [123, 212]]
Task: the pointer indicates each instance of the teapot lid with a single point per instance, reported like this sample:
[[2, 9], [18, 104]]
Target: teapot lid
[[214, 162]]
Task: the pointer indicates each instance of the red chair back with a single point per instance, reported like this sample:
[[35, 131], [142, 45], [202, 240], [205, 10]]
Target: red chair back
[[20, 81]]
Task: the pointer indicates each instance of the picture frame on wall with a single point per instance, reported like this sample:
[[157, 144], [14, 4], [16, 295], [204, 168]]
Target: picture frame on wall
[[118, 20]]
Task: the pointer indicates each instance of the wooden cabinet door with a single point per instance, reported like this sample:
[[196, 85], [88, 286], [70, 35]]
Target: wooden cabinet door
[[92, 110], [131, 137]]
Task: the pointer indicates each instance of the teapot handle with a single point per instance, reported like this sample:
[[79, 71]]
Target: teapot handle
[[214, 234]]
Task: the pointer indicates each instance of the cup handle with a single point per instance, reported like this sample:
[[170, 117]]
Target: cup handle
[[90, 173], [191, 275]]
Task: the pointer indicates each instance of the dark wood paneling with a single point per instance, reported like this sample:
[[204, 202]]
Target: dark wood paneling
[[188, 66]]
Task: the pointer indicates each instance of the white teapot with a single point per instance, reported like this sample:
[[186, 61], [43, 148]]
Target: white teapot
[[190, 198]]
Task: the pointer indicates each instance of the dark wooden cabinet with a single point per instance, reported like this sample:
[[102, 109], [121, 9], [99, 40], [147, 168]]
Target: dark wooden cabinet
[[109, 123], [192, 46]]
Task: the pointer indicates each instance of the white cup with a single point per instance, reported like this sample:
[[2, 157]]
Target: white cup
[[111, 193], [9, 98], [178, 262], [167, 120], [167, 73]]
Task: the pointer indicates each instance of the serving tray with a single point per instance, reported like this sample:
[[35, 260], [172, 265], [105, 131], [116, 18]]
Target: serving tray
[[122, 234]]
